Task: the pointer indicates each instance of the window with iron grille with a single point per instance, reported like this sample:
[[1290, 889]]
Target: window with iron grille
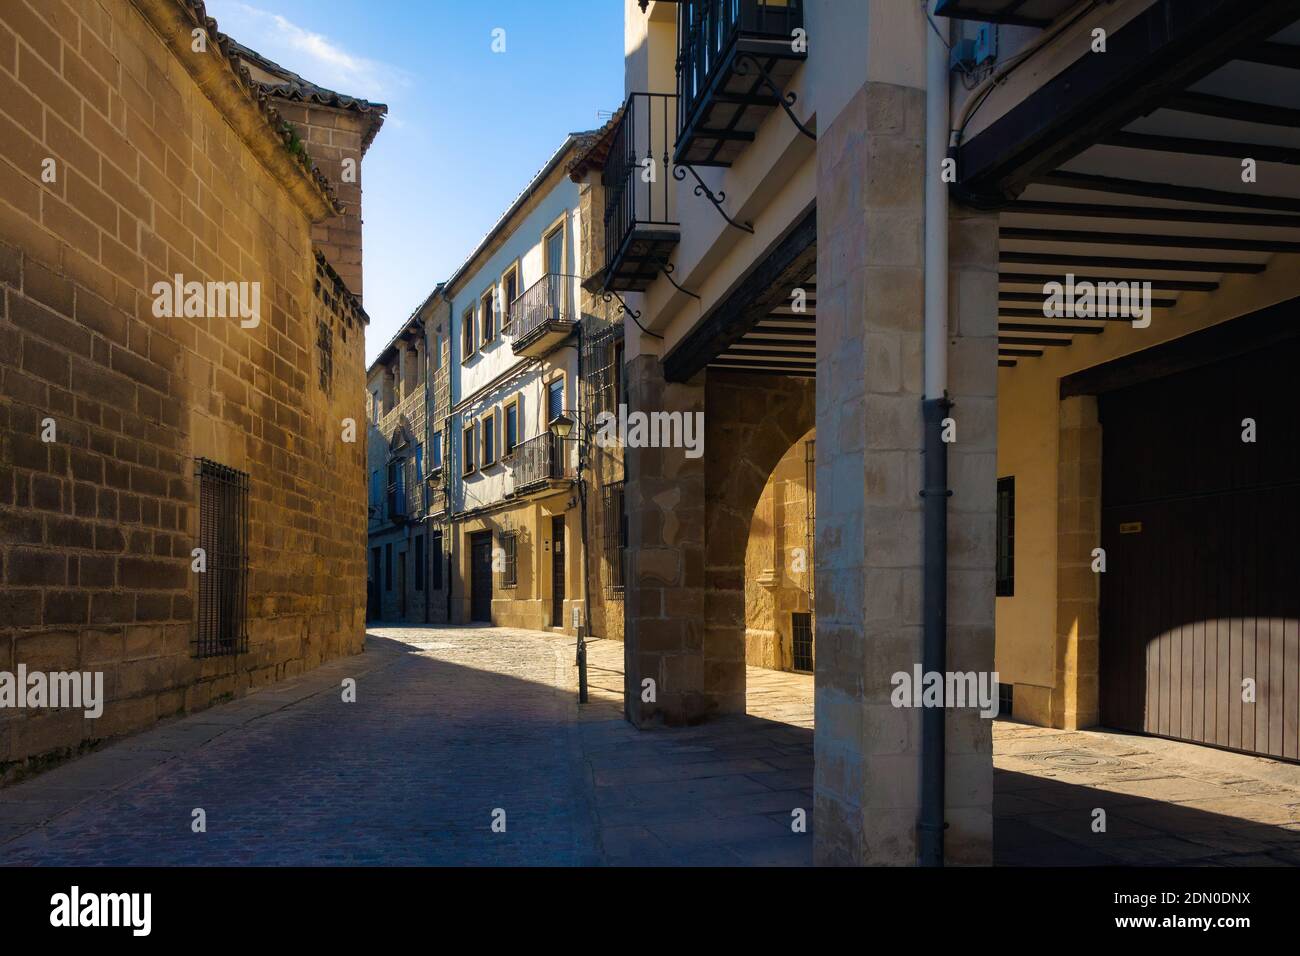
[[435, 563], [1006, 580], [325, 354], [801, 634], [419, 562], [510, 545], [223, 536], [614, 528]]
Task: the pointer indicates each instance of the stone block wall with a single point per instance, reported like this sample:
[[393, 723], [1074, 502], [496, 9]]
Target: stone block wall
[[331, 136], [151, 179], [869, 571], [1078, 588], [775, 588]]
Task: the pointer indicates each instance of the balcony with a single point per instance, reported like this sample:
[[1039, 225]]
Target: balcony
[[640, 233], [725, 49], [536, 463], [543, 316]]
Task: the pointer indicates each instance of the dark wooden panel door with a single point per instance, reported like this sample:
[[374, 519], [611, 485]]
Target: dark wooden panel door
[[480, 577], [557, 572], [1201, 591]]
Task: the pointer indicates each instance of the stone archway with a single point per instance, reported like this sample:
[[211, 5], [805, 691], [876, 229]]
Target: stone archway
[[750, 423]]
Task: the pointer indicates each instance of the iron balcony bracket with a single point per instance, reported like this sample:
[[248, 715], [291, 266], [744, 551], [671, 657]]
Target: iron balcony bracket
[[610, 294], [718, 198], [669, 268], [784, 99]]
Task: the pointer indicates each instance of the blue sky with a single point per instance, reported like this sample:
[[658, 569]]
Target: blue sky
[[466, 129]]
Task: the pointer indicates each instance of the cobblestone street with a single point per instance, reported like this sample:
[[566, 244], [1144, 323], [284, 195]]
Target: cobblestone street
[[453, 723], [449, 725]]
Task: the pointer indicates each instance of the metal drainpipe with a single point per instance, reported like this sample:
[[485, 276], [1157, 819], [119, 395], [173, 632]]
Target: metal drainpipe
[[935, 407]]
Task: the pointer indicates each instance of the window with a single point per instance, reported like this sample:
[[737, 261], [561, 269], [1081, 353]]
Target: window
[[376, 489], [487, 316], [418, 477], [509, 544], [801, 640], [419, 562], [553, 244], [223, 536], [388, 567], [489, 439], [509, 292], [468, 449], [467, 334], [554, 400], [616, 379], [1006, 699], [435, 562], [437, 451], [397, 487], [1006, 537], [374, 407], [325, 354], [512, 427], [614, 525]]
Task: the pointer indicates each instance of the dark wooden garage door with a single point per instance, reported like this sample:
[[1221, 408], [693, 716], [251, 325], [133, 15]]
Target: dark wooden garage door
[[1201, 589]]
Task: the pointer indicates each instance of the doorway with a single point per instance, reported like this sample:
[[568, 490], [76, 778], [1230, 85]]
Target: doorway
[[557, 571], [480, 577]]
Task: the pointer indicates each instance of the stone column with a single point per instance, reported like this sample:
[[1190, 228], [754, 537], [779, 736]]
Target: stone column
[[869, 573], [664, 594], [1078, 531]]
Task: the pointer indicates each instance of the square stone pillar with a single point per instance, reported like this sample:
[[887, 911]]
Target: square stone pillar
[[664, 592], [869, 558], [1078, 587]]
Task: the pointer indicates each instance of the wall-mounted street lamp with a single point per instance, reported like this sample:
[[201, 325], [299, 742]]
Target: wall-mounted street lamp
[[562, 427]]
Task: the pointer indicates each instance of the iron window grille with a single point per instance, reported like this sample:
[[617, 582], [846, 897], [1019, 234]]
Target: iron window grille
[[325, 355], [510, 546], [801, 634], [223, 536], [1006, 699], [614, 528], [1006, 580]]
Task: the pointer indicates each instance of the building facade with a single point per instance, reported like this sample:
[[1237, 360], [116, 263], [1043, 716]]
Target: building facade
[[470, 480], [182, 373], [984, 452]]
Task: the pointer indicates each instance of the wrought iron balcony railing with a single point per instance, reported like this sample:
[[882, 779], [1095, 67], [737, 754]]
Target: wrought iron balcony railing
[[537, 461], [640, 229], [544, 315], [734, 59]]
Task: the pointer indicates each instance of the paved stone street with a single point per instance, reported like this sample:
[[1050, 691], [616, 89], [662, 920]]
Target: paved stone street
[[452, 723], [449, 725]]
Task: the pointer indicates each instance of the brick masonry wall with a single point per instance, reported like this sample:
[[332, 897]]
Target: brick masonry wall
[[152, 180]]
